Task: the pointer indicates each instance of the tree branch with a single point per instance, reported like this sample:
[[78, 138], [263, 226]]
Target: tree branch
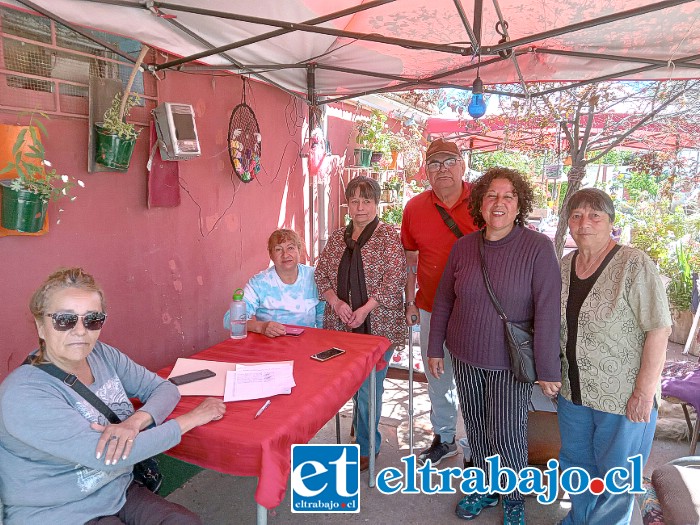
[[639, 124]]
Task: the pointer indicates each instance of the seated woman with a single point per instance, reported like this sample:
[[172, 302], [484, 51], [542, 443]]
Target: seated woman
[[284, 293], [61, 461]]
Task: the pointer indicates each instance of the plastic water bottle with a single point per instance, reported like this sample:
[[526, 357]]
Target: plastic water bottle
[[239, 327]]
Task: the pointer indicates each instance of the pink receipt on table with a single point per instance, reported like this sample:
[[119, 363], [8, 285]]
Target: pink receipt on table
[[293, 330]]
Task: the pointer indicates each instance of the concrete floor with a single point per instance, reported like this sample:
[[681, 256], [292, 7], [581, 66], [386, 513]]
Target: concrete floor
[[221, 499]]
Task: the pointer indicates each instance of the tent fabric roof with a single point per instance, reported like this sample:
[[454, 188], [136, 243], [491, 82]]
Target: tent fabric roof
[[657, 40], [488, 134]]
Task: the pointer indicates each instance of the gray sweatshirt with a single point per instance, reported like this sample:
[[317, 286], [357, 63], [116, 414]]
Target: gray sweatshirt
[[48, 469]]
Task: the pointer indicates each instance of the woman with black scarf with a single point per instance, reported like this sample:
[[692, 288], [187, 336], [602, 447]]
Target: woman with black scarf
[[361, 274]]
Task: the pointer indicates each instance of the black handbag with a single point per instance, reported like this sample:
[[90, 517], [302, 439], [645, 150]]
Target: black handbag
[[146, 472], [519, 336]]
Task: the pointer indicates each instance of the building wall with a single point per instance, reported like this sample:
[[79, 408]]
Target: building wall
[[168, 273]]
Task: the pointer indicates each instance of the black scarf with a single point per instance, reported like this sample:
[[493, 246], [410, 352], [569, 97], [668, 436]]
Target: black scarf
[[351, 272]]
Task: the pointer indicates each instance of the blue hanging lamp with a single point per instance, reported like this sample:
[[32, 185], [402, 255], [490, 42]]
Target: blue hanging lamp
[[477, 104]]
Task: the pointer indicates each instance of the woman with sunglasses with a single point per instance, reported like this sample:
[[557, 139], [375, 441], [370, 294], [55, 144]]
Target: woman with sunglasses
[[61, 461]]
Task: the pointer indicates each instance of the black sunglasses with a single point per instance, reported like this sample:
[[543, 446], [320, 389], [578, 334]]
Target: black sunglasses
[[64, 321]]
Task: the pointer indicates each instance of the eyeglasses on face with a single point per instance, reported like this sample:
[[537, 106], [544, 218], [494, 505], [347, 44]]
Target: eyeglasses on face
[[436, 165], [64, 321]]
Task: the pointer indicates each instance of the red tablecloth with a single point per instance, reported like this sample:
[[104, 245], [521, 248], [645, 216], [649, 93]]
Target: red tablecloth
[[243, 446]]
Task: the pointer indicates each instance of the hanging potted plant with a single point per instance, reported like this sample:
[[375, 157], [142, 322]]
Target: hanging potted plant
[[25, 198], [115, 138]]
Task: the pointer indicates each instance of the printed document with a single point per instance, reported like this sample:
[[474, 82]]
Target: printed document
[[258, 380]]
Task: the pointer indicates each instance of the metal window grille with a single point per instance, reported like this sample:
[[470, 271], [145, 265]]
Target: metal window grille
[[45, 66]]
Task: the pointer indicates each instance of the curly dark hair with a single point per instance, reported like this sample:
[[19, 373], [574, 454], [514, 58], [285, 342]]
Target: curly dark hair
[[522, 189]]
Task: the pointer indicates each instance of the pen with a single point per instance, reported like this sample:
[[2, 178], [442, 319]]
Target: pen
[[262, 409]]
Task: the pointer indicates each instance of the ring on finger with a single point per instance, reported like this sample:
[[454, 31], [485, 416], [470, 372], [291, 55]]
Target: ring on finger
[[113, 437]]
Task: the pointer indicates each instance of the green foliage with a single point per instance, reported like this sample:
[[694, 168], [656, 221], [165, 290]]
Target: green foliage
[[638, 185], [615, 158], [392, 214], [395, 183], [507, 159], [113, 124], [654, 228], [680, 288], [657, 228], [563, 186], [34, 172], [372, 133]]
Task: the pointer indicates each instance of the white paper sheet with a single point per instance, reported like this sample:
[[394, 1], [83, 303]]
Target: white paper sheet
[[255, 381], [216, 386]]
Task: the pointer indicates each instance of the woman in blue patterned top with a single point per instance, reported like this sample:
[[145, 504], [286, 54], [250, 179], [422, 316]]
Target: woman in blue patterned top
[[284, 293]]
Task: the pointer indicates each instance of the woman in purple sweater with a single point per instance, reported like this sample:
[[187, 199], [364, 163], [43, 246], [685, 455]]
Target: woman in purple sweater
[[524, 273]]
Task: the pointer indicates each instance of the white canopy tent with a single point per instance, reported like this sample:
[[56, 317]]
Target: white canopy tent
[[325, 50]]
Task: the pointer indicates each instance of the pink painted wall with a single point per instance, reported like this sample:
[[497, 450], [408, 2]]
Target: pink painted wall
[[168, 273]]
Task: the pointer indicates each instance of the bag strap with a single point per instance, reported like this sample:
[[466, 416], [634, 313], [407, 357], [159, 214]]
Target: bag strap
[[495, 302], [73, 382], [449, 221]]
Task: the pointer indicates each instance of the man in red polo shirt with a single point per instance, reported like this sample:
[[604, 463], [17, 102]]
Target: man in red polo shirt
[[427, 240]]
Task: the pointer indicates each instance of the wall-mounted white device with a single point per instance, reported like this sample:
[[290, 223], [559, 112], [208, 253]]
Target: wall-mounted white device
[[177, 132]]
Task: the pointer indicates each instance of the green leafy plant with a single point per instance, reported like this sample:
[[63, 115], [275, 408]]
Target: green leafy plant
[[34, 172], [395, 183], [115, 124], [680, 288], [654, 228], [372, 133], [638, 185], [392, 214]]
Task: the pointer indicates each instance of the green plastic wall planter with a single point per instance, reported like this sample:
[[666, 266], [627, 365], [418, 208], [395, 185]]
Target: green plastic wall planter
[[22, 210], [365, 157], [111, 150]]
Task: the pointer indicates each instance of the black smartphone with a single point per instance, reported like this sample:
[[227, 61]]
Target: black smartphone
[[327, 354], [191, 377]]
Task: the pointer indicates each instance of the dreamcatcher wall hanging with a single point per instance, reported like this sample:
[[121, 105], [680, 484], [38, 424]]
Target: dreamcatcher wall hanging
[[244, 140]]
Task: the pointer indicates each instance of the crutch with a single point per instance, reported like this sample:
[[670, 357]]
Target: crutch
[[410, 386]]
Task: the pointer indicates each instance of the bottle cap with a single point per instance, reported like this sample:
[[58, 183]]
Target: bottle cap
[[238, 294]]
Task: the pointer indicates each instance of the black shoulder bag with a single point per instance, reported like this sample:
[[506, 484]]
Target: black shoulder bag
[[519, 336], [449, 221], [146, 472]]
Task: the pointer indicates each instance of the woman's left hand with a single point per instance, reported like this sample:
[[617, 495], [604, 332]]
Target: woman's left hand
[[116, 441], [550, 388], [639, 407], [358, 317], [436, 365], [273, 329]]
